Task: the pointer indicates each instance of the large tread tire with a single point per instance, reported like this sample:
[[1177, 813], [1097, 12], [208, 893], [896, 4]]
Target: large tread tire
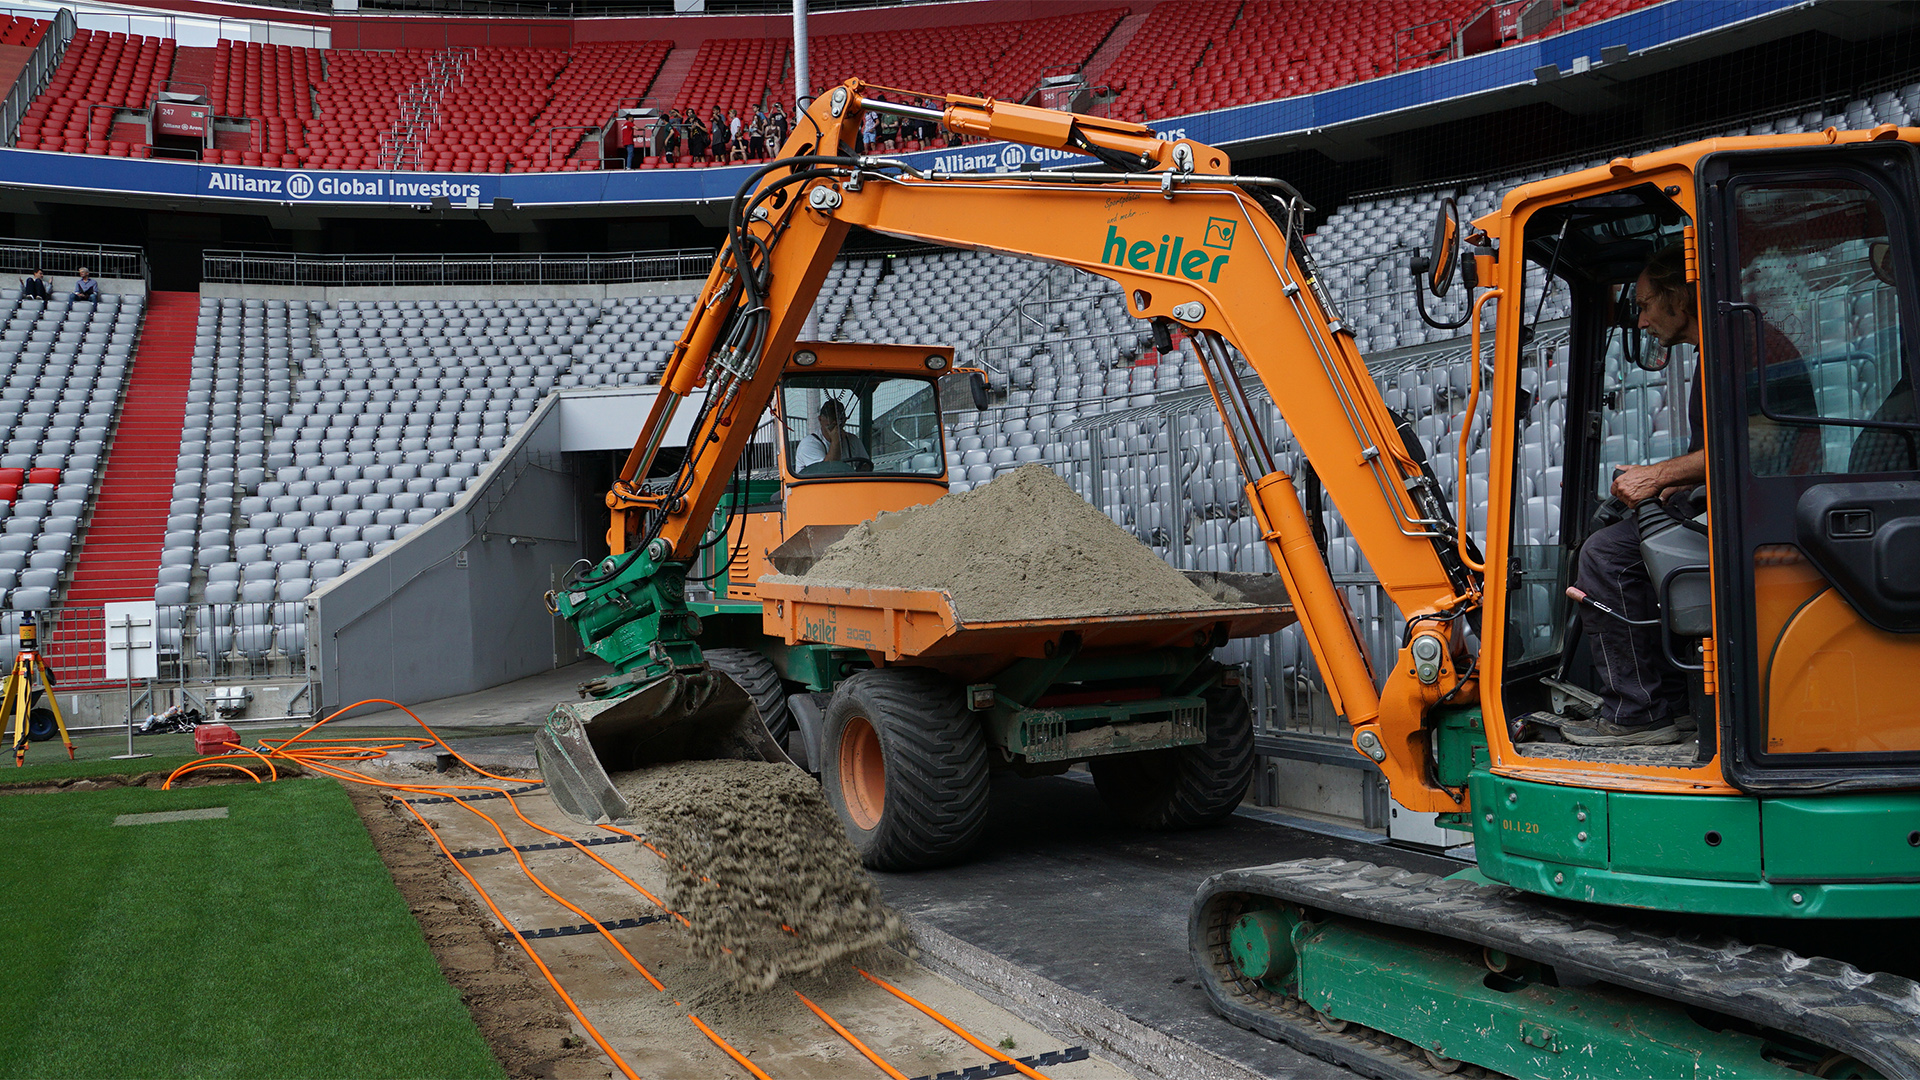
[[1187, 787], [761, 680], [910, 731]]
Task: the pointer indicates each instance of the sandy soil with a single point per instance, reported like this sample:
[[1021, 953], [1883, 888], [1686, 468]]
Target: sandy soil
[[651, 1029], [1025, 546]]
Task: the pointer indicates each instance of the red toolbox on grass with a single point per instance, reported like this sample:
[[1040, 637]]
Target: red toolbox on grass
[[212, 738]]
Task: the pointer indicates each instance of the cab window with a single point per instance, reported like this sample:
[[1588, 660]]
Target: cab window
[[846, 425]]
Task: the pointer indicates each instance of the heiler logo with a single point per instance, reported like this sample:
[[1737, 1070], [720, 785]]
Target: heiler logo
[[1174, 254]]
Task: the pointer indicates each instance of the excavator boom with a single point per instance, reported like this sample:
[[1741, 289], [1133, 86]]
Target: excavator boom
[[1191, 246]]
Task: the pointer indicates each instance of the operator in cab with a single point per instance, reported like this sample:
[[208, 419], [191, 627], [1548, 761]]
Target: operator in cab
[[1643, 698], [830, 441]]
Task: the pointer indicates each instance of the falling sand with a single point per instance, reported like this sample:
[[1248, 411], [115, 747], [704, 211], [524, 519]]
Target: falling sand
[[763, 869]]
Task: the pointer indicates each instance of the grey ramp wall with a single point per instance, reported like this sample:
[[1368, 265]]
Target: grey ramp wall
[[457, 605]]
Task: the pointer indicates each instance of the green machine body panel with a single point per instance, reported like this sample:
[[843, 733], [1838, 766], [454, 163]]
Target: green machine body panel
[[1840, 856]]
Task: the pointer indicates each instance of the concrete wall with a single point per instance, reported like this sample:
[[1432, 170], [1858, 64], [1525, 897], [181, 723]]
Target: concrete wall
[[456, 606]]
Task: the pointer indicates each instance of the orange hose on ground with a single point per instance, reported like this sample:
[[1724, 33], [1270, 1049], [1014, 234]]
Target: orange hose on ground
[[950, 1025], [617, 1060], [731, 1052], [221, 762], [896, 1074]]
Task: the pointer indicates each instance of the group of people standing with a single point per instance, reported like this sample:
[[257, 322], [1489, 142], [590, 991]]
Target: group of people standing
[[682, 133]]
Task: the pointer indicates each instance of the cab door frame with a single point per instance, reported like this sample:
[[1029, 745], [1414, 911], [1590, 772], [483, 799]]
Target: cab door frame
[[1890, 170]]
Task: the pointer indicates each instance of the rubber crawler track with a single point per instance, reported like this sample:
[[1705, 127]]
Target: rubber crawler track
[[1873, 1017]]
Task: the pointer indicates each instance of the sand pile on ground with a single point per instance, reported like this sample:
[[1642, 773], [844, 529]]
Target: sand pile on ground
[[1025, 546], [761, 867]]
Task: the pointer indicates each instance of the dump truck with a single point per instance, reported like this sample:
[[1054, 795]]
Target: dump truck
[[844, 681]]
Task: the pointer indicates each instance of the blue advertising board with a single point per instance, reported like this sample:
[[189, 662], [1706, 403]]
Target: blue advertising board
[[1660, 24]]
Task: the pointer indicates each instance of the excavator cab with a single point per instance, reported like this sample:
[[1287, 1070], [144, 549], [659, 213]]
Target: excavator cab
[[1788, 584]]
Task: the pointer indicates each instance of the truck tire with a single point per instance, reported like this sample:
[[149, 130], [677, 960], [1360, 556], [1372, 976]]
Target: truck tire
[[905, 766], [1185, 787], [761, 680]]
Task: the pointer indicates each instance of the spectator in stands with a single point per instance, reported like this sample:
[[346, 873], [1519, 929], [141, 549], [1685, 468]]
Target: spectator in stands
[[830, 441], [757, 134], [623, 139], [869, 131], [85, 288], [733, 134], [661, 126], [35, 287], [779, 127], [676, 131], [699, 141], [717, 125]]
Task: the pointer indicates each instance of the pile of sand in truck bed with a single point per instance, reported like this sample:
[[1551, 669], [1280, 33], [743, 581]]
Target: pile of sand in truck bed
[[1025, 546], [759, 865]]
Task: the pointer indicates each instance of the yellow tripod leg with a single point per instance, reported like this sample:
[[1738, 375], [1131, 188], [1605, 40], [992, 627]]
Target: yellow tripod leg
[[54, 704], [17, 705]]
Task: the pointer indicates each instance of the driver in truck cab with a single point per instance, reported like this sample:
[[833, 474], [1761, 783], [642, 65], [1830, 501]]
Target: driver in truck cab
[[830, 439]]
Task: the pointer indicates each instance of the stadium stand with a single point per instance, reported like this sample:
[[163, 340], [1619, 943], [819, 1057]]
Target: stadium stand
[[498, 109], [320, 433], [734, 75]]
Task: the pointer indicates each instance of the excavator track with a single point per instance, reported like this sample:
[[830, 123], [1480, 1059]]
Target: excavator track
[[1874, 1018]]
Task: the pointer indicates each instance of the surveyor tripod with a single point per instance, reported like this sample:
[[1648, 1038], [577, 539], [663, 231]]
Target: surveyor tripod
[[18, 698]]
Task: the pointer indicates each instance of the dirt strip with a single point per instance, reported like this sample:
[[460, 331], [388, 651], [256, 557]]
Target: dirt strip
[[651, 1029]]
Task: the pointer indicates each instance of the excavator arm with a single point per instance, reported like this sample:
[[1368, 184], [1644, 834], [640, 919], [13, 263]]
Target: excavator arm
[[1191, 245]]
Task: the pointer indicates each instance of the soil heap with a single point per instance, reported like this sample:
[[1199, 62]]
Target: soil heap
[[1025, 546], [754, 849]]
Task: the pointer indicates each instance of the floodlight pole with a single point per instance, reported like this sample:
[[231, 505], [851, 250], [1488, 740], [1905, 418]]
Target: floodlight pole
[[802, 82]]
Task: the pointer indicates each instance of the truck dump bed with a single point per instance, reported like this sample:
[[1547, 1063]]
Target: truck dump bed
[[923, 625]]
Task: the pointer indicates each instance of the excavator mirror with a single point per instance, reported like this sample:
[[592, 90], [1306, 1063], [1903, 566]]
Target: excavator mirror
[[977, 382], [1446, 249], [1880, 258]]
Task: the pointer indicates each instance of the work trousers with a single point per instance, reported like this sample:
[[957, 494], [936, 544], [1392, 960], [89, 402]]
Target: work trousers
[[1637, 686]]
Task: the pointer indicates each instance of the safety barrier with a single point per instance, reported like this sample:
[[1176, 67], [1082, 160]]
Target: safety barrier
[[266, 268]]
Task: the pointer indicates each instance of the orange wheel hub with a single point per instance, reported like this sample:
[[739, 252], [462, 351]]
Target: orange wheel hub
[[863, 775]]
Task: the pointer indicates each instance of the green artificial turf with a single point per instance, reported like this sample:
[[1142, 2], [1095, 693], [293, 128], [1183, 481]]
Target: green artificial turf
[[269, 943]]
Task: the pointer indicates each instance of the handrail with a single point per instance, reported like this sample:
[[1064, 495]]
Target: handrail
[[546, 268], [36, 74], [101, 260]]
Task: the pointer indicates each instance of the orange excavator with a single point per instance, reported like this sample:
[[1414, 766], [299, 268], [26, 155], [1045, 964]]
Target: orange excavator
[[1789, 599]]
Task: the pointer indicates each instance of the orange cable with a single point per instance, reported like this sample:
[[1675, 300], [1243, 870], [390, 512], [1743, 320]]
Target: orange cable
[[879, 1061], [531, 955], [731, 1052], [221, 762], [950, 1025]]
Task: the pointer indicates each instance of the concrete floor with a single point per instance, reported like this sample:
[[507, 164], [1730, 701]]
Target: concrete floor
[[522, 702]]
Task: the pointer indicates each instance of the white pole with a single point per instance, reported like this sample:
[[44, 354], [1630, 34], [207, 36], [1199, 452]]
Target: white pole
[[126, 623], [802, 82]]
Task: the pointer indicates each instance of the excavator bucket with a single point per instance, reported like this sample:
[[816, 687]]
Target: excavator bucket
[[692, 715], [800, 551]]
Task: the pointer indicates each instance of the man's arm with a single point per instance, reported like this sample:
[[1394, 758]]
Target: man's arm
[[1637, 483]]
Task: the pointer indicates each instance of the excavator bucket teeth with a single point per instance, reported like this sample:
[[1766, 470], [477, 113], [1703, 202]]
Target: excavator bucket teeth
[[685, 716]]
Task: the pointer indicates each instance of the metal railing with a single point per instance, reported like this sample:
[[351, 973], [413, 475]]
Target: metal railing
[[101, 260], [276, 268], [199, 644], [35, 76]]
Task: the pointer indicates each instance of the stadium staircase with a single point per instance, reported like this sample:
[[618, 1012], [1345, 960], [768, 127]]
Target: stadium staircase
[[1110, 49], [193, 69], [673, 75], [120, 557]]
